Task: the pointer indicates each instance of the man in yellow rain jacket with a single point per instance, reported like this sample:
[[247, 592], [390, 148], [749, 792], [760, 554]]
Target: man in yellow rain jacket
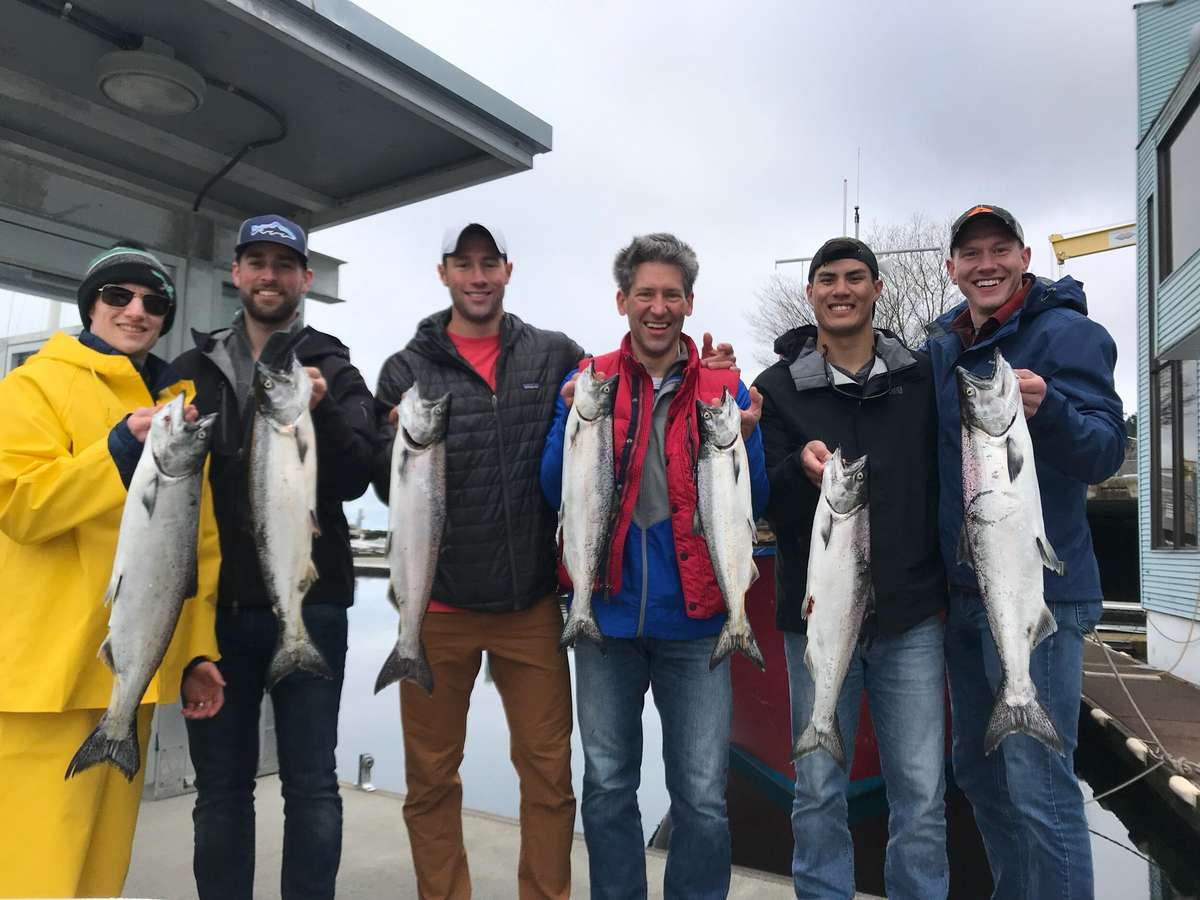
[[74, 419]]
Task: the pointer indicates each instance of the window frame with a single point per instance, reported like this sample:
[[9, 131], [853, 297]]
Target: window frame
[[1167, 264]]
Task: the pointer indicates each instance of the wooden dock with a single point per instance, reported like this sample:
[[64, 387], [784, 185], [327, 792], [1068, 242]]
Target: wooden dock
[[1164, 737]]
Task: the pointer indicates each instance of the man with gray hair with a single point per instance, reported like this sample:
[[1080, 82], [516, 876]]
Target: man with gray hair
[[661, 619]]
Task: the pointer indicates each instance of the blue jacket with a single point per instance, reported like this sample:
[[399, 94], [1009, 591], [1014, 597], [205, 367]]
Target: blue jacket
[[1078, 432], [650, 600]]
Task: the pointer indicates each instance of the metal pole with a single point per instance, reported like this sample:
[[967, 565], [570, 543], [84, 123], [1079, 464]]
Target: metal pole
[[845, 191], [858, 193]]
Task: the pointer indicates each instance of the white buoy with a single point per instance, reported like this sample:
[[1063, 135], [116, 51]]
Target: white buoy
[[1186, 790], [1138, 748], [1100, 715]]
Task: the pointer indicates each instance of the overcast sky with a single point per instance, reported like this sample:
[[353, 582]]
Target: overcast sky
[[734, 127]]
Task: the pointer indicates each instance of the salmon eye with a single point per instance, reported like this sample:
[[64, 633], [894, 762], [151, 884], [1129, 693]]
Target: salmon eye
[[202, 434], [858, 477], [970, 391], [268, 384]]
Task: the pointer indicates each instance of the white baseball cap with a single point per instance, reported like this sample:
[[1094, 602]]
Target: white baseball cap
[[453, 235]]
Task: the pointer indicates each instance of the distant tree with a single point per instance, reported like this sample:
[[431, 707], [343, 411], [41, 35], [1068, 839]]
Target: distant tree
[[1131, 426], [916, 287]]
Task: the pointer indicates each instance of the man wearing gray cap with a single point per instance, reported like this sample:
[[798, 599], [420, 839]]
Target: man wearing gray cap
[[271, 274], [1024, 793], [495, 585]]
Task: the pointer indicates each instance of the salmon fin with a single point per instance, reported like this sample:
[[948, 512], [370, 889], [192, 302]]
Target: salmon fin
[[387, 547], [150, 495], [1046, 626], [808, 661], [1049, 558], [192, 588], [582, 626], [391, 595], [403, 465], [300, 656], [826, 528], [574, 434], [753, 529], [1030, 719], [1016, 460], [313, 524], [398, 668], [105, 654], [753, 571], [97, 748], [301, 445], [558, 531], [697, 527], [114, 588], [964, 549], [811, 740], [310, 578], [737, 469], [742, 641]]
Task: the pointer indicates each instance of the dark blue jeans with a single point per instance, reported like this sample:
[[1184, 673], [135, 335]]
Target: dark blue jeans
[[695, 705], [224, 750], [1026, 797]]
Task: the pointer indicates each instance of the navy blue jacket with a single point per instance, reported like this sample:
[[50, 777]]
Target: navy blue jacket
[[1078, 432]]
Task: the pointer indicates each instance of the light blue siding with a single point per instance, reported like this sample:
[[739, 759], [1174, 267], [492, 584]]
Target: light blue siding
[[1170, 580], [1162, 36]]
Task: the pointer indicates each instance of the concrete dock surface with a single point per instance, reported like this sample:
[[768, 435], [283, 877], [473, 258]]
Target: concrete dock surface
[[376, 862]]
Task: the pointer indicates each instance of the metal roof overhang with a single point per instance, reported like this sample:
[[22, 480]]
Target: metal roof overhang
[[373, 120]]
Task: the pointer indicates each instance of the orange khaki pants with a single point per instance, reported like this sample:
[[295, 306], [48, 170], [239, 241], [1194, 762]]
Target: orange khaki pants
[[534, 684]]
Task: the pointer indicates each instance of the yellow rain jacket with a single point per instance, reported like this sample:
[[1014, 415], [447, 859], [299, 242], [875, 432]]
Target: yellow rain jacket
[[61, 499]]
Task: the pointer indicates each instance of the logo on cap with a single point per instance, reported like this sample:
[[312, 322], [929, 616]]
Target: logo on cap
[[273, 229], [977, 210]]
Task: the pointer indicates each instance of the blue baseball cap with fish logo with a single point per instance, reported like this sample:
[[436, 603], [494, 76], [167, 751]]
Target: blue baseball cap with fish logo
[[272, 229]]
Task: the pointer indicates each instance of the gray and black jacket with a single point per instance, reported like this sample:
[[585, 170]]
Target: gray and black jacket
[[345, 428], [498, 552], [893, 419]]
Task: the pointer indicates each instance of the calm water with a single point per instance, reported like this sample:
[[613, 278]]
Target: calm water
[[1134, 819]]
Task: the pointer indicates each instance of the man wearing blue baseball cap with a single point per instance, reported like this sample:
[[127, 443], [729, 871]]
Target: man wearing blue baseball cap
[[271, 273]]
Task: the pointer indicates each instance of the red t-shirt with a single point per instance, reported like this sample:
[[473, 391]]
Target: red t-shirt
[[481, 353]]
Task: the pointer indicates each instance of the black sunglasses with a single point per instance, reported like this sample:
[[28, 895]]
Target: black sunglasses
[[154, 304]]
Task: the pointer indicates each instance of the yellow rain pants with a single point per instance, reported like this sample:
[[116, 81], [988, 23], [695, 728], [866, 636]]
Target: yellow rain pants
[[63, 838]]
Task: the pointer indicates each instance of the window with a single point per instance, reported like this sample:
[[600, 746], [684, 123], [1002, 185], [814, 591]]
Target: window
[[1179, 180], [1173, 448]]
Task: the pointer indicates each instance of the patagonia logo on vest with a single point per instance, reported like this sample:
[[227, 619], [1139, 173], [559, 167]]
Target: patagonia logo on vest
[[531, 385]]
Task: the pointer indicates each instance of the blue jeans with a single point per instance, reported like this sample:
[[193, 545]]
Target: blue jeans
[[904, 679], [696, 709], [1025, 796], [224, 750]]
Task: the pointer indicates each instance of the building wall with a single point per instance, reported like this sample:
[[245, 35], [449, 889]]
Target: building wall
[[1170, 579]]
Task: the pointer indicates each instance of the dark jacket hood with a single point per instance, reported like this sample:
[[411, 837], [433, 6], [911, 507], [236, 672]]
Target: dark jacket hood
[[798, 349], [316, 344], [1044, 294]]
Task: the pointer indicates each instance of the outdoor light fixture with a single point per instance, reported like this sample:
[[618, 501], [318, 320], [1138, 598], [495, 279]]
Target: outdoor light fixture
[[150, 80]]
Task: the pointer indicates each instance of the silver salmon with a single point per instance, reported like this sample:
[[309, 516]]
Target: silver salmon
[[1004, 541], [839, 592], [153, 573], [416, 522], [283, 504], [588, 498], [726, 519]]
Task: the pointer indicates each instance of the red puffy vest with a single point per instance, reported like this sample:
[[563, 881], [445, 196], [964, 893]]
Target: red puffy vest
[[681, 445]]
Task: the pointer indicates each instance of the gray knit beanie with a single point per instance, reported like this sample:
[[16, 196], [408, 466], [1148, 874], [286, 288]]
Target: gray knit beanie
[[120, 264]]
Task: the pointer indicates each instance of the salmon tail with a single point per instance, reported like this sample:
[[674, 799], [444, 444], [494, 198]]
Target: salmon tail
[[400, 668], [1030, 719], [811, 740], [742, 641], [583, 626], [300, 655], [99, 748]]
